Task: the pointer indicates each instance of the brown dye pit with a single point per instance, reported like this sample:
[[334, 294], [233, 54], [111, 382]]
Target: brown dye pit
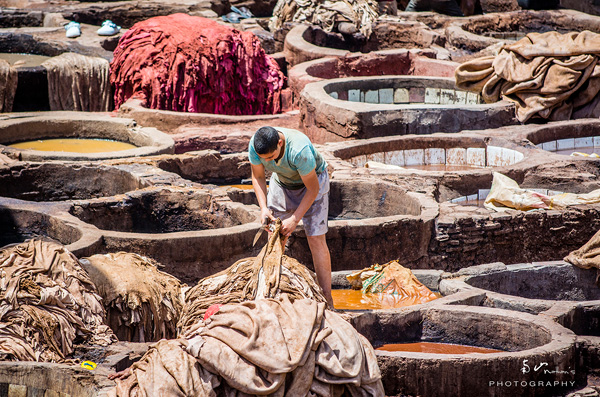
[[75, 145], [435, 348], [441, 167], [23, 60], [350, 299], [586, 150]]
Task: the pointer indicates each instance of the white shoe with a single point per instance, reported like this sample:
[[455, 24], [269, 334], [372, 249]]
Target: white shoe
[[73, 29], [108, 28]]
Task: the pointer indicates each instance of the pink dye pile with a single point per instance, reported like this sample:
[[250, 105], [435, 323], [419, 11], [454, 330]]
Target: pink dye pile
[[193, 64]]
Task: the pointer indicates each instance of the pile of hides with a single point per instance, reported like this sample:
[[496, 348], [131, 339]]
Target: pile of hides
[[506, 194], [269, 347], [8, 86], [78, 82], [142, 303], [267, 275], [548, 76], [388, 284], [326, 14], [588, 256], [193, 64], [47, 302]]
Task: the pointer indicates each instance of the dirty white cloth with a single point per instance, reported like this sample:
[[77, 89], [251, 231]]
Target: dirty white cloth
[[78, 82], [379, 165], [549, 75], [142, 303], [8, 86], [47, 301], [325, 13], [506, 194], [265, 347]]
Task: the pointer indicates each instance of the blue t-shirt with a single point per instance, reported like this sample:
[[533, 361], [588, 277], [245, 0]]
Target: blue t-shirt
[[299, 159]]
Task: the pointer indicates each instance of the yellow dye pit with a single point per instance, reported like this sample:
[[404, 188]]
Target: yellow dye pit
[[435, 348], [75, 145]]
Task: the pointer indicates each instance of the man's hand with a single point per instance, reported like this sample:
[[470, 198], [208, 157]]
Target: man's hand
[[289, 225], [266, 214], [121, 375]]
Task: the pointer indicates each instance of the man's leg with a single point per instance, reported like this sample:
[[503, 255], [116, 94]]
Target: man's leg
[[322, 263], [448, 7]]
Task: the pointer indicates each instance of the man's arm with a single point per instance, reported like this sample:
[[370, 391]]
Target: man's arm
[[311, 181], [260, 188]]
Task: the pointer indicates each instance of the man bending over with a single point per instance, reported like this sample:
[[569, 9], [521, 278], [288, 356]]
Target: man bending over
[[298, 190]]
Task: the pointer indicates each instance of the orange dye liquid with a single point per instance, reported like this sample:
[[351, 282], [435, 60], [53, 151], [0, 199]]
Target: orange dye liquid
[[74, 145], [351, 299], [243, 187], [435, 348]]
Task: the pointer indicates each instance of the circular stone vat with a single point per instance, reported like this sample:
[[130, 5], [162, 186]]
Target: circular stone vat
[[57, 182], [32, 86], [19, 224], [388, 62], [583, 319], [531, 287], [156, 210], [23, 60], [169, 122], [566, 138], [371, 222], [305, 43], [524, 339], [31, 93], [367, 107], [432, 153], [484, 30], [40, 126], [550, 282], [205, 166], [190, 232]]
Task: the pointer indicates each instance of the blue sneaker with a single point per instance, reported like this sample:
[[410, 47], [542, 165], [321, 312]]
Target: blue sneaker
[[232, 17], [243, 11], [73, 29], [108, 28]]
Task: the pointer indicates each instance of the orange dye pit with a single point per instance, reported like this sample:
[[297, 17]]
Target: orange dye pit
[[350, 299], [435, 348]]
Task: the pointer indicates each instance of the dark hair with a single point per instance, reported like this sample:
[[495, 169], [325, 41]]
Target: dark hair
[[265, 140]]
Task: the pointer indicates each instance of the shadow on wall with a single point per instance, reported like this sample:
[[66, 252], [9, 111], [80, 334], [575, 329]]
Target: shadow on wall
[[12, 229]]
